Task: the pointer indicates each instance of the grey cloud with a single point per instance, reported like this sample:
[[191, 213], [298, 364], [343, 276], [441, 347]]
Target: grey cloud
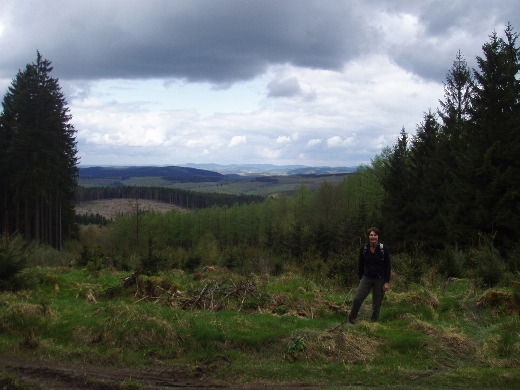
[[218, 41], [447, 27], [288, 87], [224, 41]]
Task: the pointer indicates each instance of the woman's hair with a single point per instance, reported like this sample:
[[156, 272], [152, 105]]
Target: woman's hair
[[373, 229]]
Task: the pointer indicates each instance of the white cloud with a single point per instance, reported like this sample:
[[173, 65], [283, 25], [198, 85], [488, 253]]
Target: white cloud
[[237, 140], [314, 142], [283, 139], [337, 141]]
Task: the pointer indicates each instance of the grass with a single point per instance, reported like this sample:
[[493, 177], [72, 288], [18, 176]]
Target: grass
[[427, 338]]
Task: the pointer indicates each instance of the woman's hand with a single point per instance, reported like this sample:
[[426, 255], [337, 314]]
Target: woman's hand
[[386, 287]]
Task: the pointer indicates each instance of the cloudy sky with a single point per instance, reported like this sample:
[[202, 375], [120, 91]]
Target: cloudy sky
[[170, 82]]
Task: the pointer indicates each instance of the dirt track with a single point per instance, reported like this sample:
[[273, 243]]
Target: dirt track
[[46, 375], [61, 376]]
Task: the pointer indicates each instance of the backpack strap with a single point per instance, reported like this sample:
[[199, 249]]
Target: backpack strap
[[381, 248]]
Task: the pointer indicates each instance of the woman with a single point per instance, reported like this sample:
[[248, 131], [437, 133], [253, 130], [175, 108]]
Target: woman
[[374, 274]]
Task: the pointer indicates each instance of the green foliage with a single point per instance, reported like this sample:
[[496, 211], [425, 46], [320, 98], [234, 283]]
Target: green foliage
[[151, 262], [410, 266], [95, 219], [452, 263], [484, 262], [92, 258], [294, 349], [13, 260]]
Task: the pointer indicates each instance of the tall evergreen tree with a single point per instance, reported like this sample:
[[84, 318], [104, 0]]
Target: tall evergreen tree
[[455, 113], [495, 136], [396, 208], [38, 156], [427, 176]]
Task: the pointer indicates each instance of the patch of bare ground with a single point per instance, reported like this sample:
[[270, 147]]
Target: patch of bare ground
[[109, 208], [46, 375], [61, 376]]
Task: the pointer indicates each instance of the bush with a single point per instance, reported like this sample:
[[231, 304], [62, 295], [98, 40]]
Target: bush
[[411, 266], [484, 262], [452, 264], [344, 269], [13, 259]]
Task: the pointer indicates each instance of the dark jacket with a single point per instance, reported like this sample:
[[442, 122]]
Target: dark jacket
[[374, 265]]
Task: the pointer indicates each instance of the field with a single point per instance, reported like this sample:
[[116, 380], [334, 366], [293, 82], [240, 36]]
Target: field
[[103, 329]]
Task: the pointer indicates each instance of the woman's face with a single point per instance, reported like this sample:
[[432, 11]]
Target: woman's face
[[373, 237]]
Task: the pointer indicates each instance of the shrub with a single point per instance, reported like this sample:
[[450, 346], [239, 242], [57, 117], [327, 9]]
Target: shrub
[[411, 266], [452, 264], [344, 269], [13, 259], [484, 263]]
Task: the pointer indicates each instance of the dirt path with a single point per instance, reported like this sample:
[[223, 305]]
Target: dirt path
[[46, 375], [61, 376]]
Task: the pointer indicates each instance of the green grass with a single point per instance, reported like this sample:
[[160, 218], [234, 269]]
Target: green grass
[[427, 338]]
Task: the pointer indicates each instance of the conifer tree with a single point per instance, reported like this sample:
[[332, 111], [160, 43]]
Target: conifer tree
[[38, 157], [396, 208], [494, 139], [427, 177], [455, 113]]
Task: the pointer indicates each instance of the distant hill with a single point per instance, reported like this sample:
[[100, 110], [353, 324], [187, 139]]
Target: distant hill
[[146, 171], [261, 180], [272, 170]]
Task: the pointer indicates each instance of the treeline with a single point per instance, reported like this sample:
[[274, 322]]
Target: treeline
[[320, 223], [37, 158], [182, 198], [458, 176]]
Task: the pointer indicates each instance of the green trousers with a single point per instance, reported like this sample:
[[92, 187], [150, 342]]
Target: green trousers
[[366, 285]]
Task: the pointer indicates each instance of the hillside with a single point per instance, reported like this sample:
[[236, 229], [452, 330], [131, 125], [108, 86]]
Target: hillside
[[263, 180]]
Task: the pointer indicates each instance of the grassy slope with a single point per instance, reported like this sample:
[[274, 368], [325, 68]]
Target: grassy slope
[[285, 331]]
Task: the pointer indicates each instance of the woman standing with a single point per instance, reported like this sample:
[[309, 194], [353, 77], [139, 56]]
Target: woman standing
[[374, 274]]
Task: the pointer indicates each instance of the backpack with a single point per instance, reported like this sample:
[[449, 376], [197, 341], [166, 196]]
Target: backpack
[[365, 248]]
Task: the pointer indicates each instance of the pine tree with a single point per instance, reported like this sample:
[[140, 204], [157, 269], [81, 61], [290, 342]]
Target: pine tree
[[494, 140], [396, 208], [453, 147], [427, 176], [38, 156]]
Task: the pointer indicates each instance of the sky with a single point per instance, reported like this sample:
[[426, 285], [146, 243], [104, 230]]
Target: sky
[[284, 82]]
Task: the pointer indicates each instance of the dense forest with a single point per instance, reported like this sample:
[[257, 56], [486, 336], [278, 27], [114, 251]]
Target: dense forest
[[458, 176], [182, 198]]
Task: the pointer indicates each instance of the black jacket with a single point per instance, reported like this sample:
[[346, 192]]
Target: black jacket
[[374, 265]]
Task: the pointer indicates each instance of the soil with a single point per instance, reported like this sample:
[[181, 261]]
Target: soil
[[109, 208], [46, 375]]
